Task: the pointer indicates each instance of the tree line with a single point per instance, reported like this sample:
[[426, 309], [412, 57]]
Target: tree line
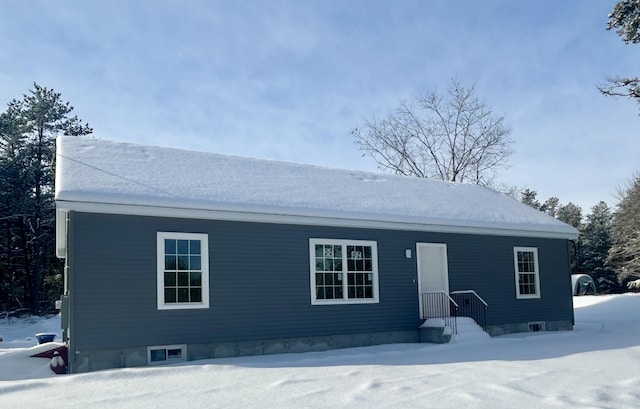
[[30, 274], [608, 247]]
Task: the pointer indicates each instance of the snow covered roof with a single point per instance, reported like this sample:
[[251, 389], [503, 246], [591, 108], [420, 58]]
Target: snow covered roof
[[104, 176]]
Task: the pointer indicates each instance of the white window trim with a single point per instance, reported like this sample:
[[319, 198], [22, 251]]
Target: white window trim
[[166, 348], [344, 243], [204, 248], [534, 250]]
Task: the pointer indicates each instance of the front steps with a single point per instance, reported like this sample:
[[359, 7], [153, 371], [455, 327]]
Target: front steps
[[468, 330], [435, 331]]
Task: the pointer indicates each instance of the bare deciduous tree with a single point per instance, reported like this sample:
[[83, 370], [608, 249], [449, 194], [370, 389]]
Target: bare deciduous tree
[[453, 137]]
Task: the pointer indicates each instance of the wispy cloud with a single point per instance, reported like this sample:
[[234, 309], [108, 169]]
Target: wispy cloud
[[288, 80]]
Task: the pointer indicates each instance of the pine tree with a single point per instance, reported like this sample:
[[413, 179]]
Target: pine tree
[[625, 19], [595, 243], [570, 214], [27, 141], [624, 256], [14, 194], [528, 197], [550, 206]]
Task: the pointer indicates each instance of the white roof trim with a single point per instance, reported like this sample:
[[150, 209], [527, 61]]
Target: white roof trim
[[248, 216]]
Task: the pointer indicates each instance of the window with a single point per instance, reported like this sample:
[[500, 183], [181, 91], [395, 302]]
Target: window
[[537, 326], [166, 354], [527, 274], [343, 271], [183, 271]]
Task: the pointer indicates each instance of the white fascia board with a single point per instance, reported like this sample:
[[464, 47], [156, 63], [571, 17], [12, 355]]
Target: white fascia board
[[257, 217]]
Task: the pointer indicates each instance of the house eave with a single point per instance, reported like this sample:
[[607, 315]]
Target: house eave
[[302, 219]]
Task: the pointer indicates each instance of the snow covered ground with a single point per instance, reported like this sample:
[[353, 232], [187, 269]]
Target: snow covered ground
[[595, 366]]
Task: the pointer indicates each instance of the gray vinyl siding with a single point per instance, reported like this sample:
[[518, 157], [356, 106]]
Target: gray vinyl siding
[[259, 282], [486, 265]]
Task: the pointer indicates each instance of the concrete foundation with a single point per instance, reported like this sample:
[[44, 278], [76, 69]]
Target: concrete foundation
[[435, 335], [87, 361], [496, 330]]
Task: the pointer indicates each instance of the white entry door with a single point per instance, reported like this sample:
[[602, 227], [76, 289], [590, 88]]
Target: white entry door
[[433, 277]]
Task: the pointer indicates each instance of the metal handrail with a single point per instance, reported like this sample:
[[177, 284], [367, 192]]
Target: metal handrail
[[471, 292], [439, 304], [445, 294], [472, 306]]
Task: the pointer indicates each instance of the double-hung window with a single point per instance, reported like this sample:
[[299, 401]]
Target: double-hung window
[[343, 271], [183, 270], [527, 272]]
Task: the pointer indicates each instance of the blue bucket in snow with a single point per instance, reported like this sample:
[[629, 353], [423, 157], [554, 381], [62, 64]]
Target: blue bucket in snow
[[45, 337]]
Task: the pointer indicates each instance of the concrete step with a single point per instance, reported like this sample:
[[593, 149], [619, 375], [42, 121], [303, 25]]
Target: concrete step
[[468, 330], [434, 331]]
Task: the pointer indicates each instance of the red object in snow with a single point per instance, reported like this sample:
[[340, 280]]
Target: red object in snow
[[61, 349]]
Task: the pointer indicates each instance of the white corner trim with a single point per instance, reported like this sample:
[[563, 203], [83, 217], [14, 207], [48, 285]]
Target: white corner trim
[[61, 233]]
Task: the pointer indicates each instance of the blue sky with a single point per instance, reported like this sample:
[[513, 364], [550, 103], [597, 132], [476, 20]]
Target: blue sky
[[288, 80]]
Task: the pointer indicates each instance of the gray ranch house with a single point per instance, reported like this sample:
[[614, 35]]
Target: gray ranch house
[[172, 255]]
